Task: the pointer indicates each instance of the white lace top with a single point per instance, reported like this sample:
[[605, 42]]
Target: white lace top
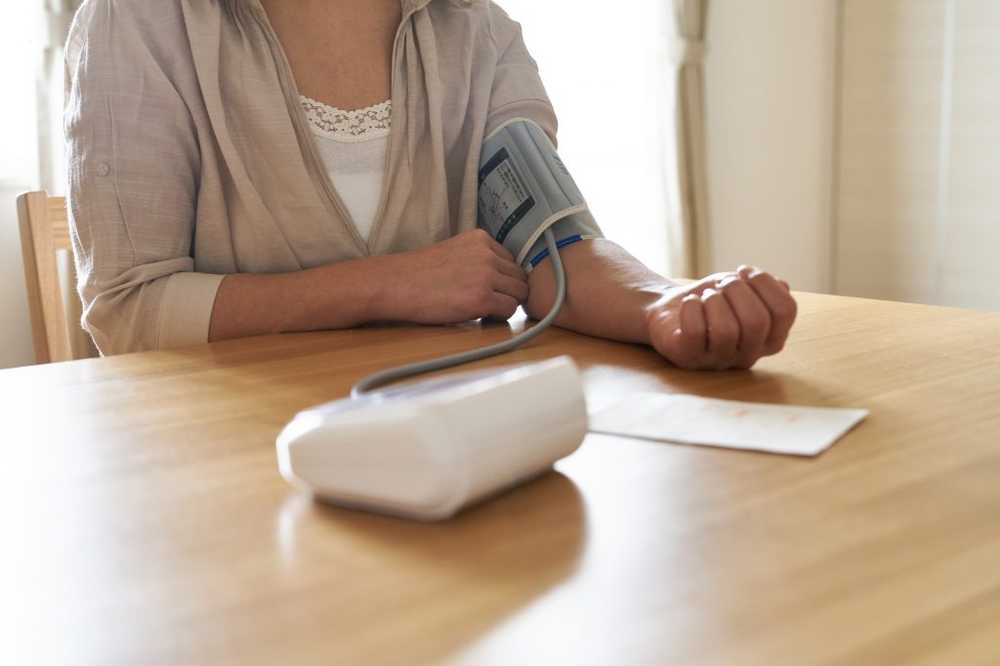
[[353, 147]]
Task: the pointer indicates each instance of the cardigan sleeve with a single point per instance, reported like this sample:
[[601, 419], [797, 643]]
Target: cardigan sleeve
[[518, 91], [133, 165]]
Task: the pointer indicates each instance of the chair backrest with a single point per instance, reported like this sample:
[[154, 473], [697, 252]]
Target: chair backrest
[[55, 311]]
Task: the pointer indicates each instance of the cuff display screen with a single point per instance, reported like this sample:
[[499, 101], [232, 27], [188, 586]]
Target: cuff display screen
[[502, 193]]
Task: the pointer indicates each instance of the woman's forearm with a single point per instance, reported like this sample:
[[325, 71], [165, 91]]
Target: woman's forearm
[[465, 277], [341, 295], [723, 321], [608, 291]]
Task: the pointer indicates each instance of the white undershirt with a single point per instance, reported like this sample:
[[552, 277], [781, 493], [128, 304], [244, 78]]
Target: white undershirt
[[352, 145]]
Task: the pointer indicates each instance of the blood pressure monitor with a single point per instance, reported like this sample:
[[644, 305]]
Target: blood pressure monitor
[[427, 449]]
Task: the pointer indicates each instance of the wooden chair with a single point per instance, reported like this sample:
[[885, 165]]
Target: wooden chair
[[52, 301]]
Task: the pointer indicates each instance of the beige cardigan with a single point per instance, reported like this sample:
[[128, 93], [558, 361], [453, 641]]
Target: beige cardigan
[[190, 157]]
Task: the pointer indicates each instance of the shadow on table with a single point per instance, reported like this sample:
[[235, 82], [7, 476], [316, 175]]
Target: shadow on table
[[607, 384], [764, 386], [448, 583]]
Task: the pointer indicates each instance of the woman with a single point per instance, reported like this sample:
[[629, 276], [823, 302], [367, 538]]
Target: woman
[[218, 187]]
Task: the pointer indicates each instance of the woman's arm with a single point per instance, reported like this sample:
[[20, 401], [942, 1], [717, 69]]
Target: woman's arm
[[465, 277], [133, 161], [608, 290], [727, 320]]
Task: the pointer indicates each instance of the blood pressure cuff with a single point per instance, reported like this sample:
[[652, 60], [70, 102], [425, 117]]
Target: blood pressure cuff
[[524, 189]]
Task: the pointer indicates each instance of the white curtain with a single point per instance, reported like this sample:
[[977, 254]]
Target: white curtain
[[58, 15], [689, 221]]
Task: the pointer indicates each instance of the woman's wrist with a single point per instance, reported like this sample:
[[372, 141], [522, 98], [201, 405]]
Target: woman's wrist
[[385, 294], [343, 295]]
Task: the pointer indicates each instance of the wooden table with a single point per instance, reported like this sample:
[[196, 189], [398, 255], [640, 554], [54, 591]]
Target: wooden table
[[147, 523]]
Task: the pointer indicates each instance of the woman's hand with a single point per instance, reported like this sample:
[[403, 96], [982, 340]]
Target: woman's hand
[[727, 320], [468, 276]]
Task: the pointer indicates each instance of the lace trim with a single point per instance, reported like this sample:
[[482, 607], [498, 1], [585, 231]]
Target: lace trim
[[372, 122]]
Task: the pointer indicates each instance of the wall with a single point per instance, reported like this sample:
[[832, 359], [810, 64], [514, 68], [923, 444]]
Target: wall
[[920, 126], [770, 94]]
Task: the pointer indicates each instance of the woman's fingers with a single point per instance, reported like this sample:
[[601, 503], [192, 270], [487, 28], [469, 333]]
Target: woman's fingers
[[495, 247], [709, 282], [723, 329], [514, 287], [692, 335], [510, 269], [693, 324], [754, 320], [502, 307], [781, 305], [723, 321], [679, 332]]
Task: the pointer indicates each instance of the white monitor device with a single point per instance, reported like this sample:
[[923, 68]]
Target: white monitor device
[[427, 449]]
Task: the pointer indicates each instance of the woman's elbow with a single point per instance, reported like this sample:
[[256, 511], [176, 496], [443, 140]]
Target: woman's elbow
[[120, 321]]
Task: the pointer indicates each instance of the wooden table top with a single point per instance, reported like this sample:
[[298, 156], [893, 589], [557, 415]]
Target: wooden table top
[[147, 522]]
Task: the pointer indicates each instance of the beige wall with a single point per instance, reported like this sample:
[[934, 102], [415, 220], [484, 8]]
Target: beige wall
[[918, 202], [770, 84], [854, 145]]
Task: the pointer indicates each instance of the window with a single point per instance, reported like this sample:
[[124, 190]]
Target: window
[[20, 50], [608, 77]]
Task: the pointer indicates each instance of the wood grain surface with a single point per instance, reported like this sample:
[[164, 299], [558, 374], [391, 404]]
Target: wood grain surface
[[146, 522]]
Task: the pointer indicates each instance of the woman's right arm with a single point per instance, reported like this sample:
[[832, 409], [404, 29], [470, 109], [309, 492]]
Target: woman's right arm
[[133, 159], [465, 277]]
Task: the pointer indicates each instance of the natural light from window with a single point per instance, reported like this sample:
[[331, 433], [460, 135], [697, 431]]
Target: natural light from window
[[608, 77], [20, 53]]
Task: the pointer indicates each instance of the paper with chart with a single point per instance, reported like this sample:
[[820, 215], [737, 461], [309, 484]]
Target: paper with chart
[[689, 419]]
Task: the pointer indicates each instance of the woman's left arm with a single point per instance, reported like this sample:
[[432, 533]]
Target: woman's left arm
[[727, 320]]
